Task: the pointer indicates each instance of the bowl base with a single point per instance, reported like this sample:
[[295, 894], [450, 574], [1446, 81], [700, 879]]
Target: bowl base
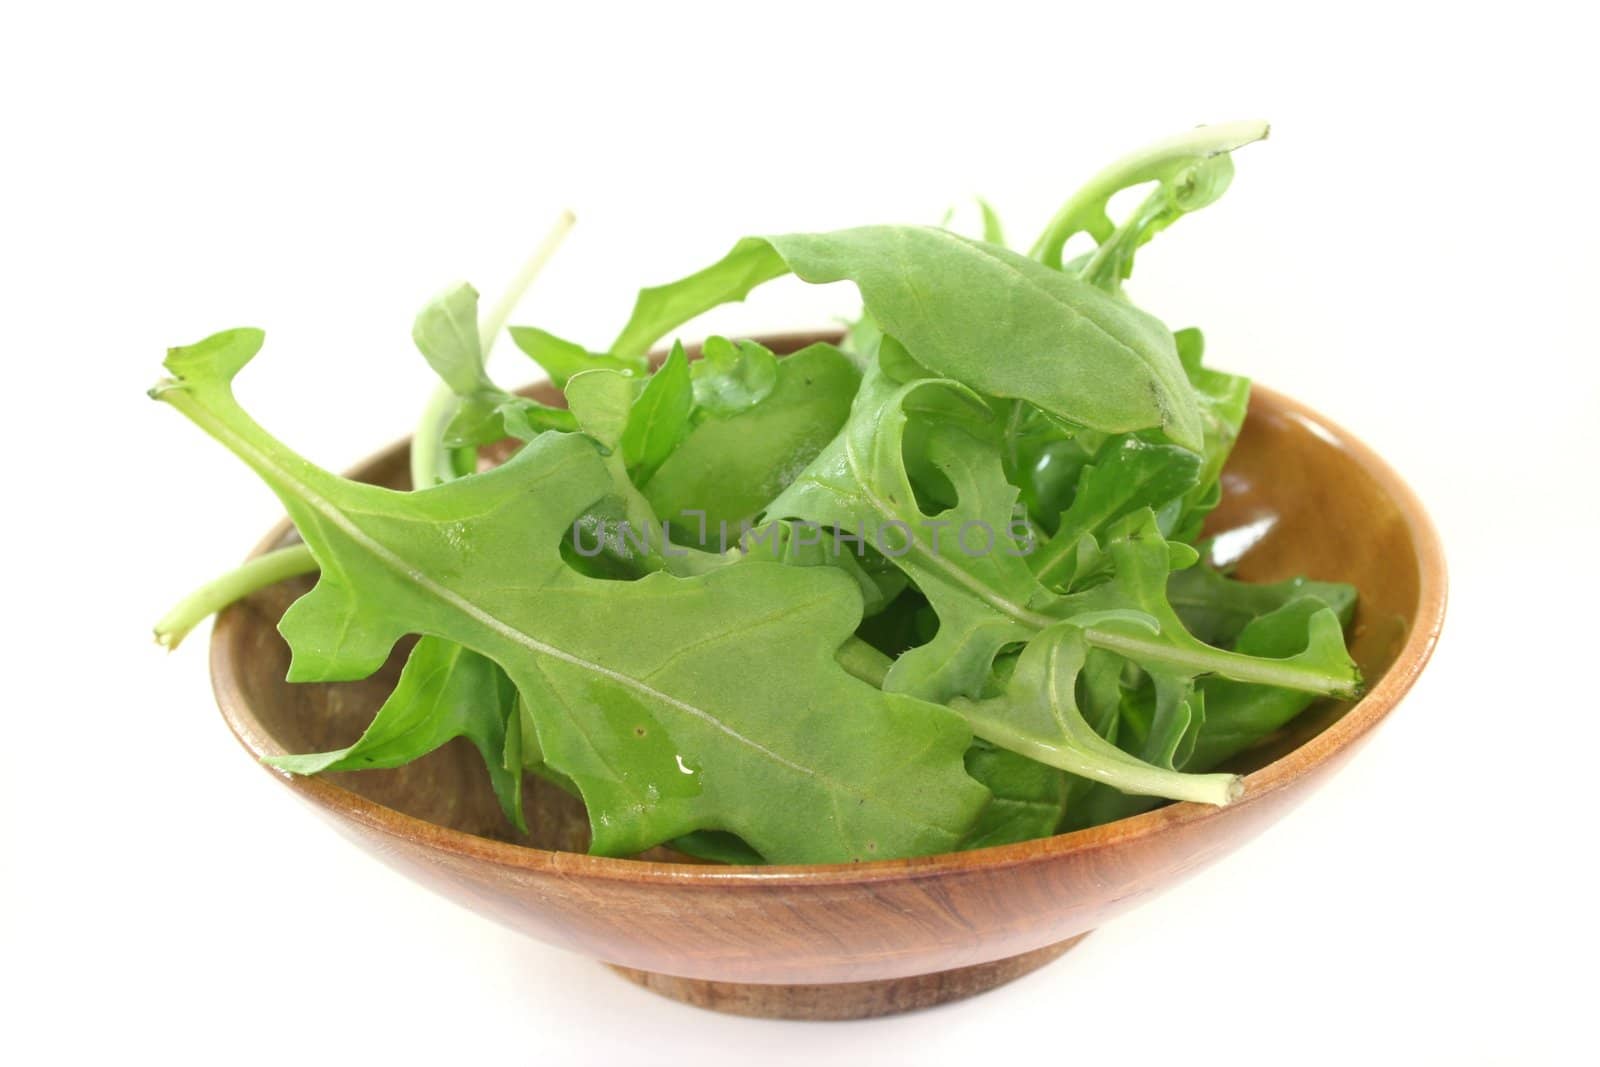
[[847, 1000]]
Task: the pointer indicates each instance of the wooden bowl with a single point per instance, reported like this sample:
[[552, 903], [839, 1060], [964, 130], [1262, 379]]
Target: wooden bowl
[[836, 942]]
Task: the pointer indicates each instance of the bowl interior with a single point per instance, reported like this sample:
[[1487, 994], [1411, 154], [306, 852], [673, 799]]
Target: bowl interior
[[1297, 500]]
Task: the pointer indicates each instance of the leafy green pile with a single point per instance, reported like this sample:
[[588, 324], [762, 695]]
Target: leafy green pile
[[934, 588]]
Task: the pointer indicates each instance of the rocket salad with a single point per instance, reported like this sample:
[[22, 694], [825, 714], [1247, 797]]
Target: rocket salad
[[938, 586]]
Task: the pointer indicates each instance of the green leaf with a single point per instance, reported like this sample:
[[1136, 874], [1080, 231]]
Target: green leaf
[[1027, 798], [1238, 716], [985, 601], [1128, 474], [716, 846], [1193, 188], [562, 359], [1224, 400], [993, 232], [731, 377], [1070, 349], [811, 546], [662, 309], [444, 692], [729, 468], [659, 420], [1216, 608], [601, 401], [1038, 716], [486, 417], [985, 594], [1158, 722], [446, 332], [1173, 161], [1140, 565], [634, 687]]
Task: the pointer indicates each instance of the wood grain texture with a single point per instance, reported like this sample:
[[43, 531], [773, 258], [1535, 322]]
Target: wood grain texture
[[1322, 505], [840, 1001]]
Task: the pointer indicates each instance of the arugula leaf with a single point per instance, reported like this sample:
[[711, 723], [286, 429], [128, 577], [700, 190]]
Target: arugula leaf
[[878, 580], [446, 333], [731, 377], [1224, 399], [661, 309], [1237, 716], [444, 692], [1191, 189], [801, 760], [717, 847], [1038, 716], [1177, 162], [729, 466], [1027, 798], [1141, 563], [1071, 349], [993, 232], [989, 599], [990, 231], [561, 359], [860, 483], [1216, 608], [1127, 475], [659, 419]]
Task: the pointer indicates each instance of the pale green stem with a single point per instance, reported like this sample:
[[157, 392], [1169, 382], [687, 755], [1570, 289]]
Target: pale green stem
[[1085, 210], [1230, 665], [864, 661], [430, 460], [1111, 766], [494, 320], [266, 569]]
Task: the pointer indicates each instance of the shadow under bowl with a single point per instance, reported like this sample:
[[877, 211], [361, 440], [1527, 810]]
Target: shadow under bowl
[[1300, 497]]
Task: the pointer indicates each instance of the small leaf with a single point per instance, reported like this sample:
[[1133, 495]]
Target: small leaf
[[1238, 715], [1128, 474], [663, 308], [1027, 798], [659, 420], [993, 232], [1216, 608], [562, 359], [600, 400], [444, 692], [732, 377], [446, 332]]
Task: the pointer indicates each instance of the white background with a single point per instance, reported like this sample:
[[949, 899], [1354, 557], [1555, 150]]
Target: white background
[[1413, 252]]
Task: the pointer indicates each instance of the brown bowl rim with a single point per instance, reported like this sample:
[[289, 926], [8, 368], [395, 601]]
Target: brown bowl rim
[[1350, 728]]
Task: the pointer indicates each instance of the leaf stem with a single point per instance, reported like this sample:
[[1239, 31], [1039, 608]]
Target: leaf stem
[[494, 321], [864, 661], [1112, 767], [255, 574], [430, 460], [1231, 665], [1085, 210]]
